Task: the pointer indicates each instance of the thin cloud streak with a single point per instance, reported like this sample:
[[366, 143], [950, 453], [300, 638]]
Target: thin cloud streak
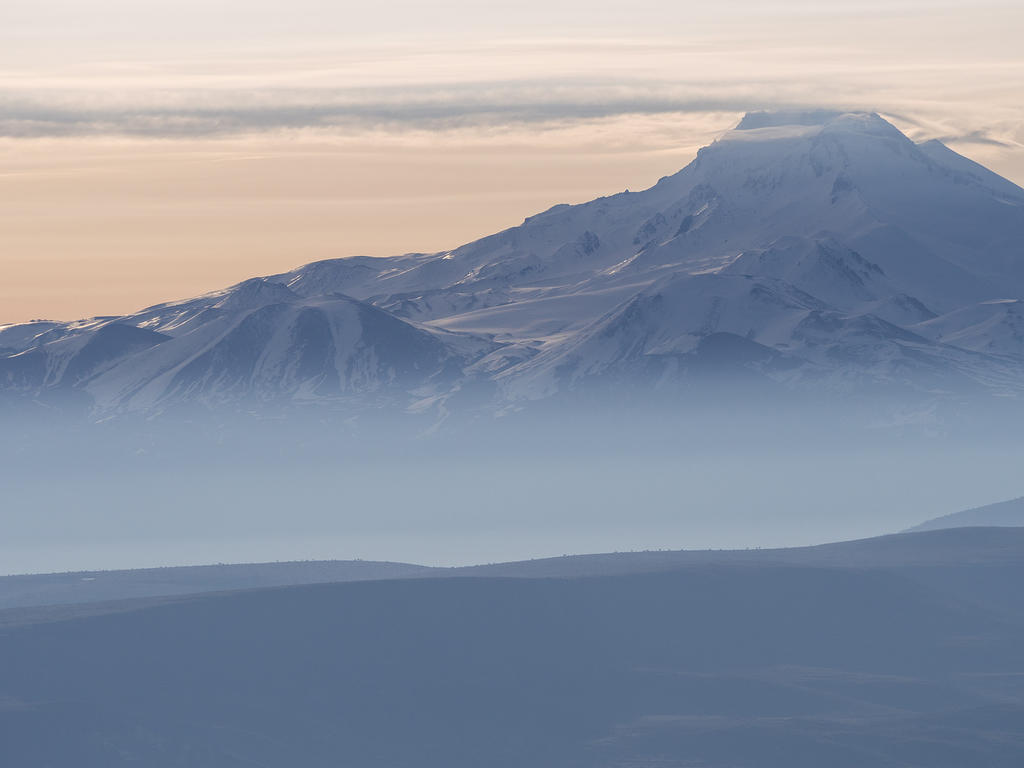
[[489, 108], [477, 106]]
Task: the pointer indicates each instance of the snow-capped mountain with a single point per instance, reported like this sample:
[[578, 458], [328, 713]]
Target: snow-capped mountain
[[256, 342], [806, 249]]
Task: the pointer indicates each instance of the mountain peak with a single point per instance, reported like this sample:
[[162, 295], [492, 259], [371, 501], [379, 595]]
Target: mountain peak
[[781, 118], [804, 122]]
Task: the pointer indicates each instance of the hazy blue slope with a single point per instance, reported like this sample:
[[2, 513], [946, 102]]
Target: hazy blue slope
[[1004, 513], [979, 546]]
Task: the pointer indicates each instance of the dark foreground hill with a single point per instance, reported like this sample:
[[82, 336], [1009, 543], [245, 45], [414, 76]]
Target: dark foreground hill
[[903, 661]]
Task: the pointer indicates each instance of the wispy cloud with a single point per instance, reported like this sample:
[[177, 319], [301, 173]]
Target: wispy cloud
[[976, 137], [479, 105], [509, 84], [400, 65], [526, 105]]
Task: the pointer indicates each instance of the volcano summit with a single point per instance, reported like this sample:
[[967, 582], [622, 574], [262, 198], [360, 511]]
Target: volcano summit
[[817, 251]]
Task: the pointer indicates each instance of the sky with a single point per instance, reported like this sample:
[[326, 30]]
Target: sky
[[153, 150]]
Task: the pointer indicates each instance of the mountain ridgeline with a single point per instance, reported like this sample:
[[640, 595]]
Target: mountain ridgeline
[[804, 253]]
